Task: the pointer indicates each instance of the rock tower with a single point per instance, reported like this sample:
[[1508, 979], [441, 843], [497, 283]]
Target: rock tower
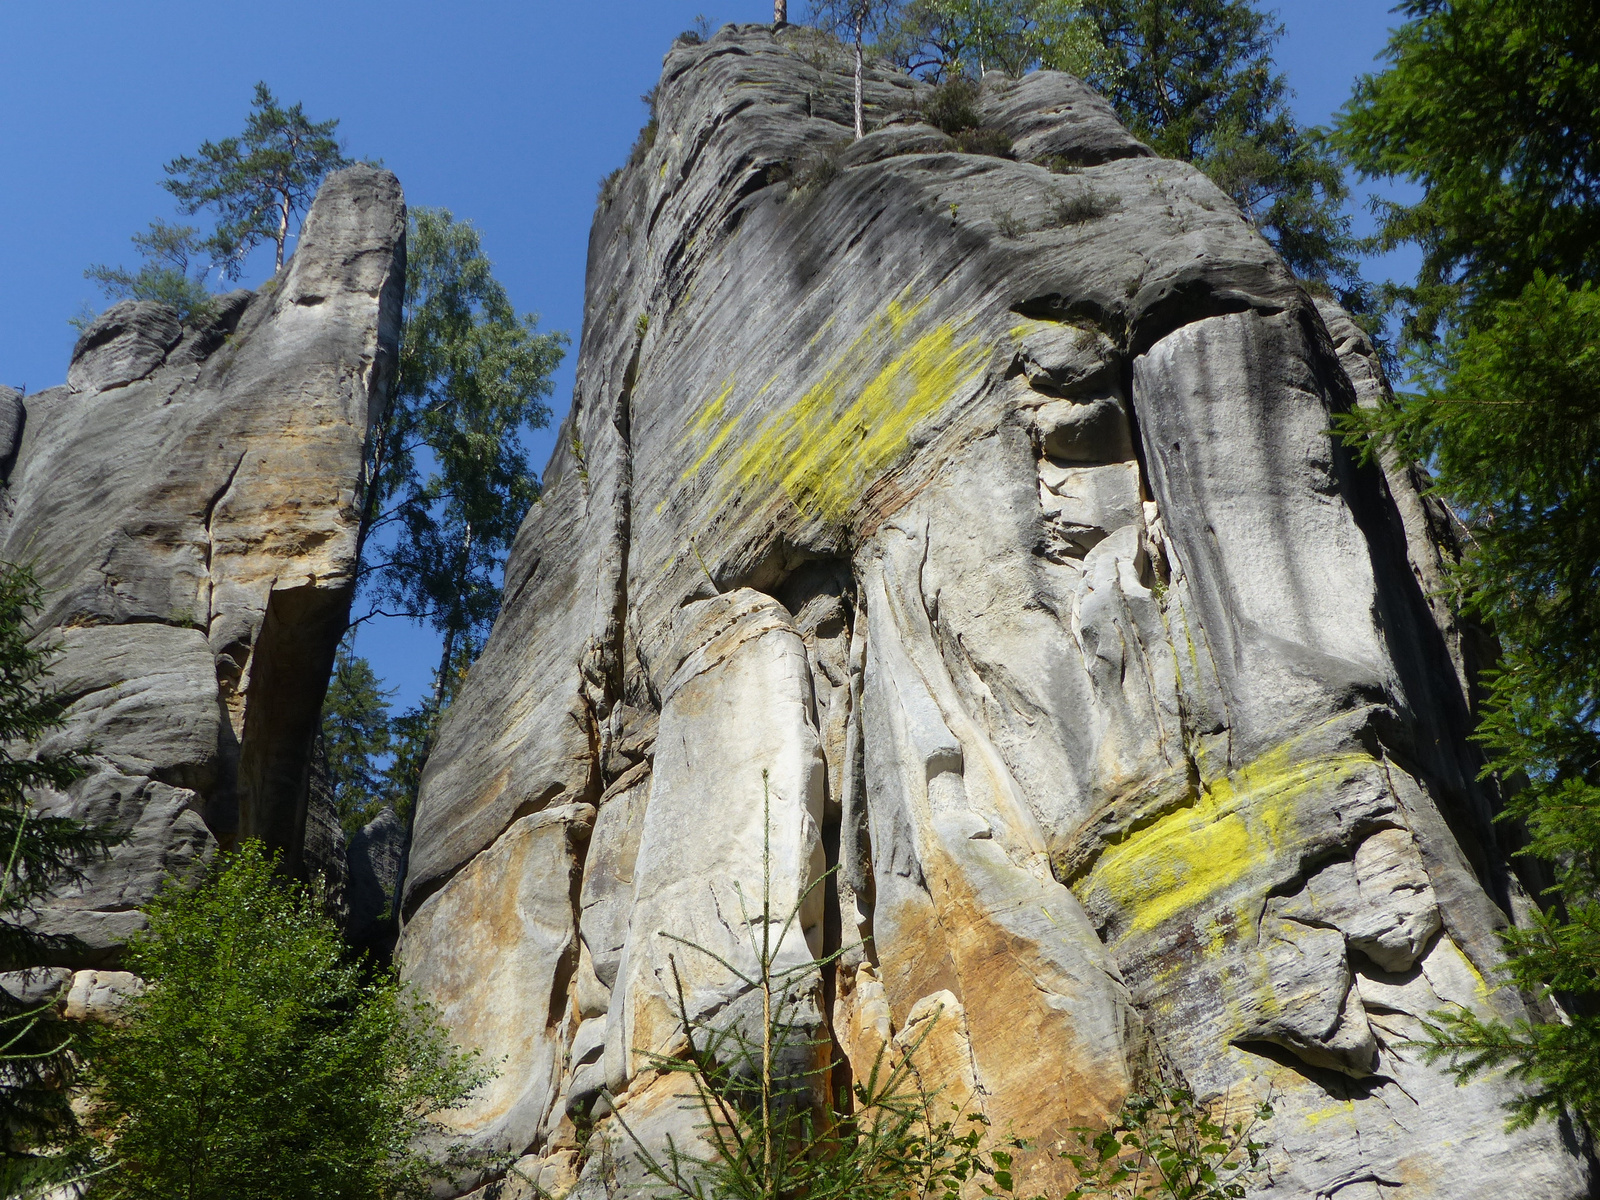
[[968, 526]]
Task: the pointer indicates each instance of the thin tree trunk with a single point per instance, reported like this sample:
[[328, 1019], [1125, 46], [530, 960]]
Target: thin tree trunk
[[283, 230], [449, 642], [780, 13], [439, 677], [861, 129]]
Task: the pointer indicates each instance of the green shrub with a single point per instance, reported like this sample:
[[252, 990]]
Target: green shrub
[[953, 106], [953, 109], [1166, 1144], [260, 1062]]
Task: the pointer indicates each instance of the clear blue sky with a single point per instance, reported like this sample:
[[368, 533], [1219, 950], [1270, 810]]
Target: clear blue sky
[[506, 112]]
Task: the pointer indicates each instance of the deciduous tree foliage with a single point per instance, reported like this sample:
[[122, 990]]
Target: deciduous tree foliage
[[943, 39], [449, 476], [259, 1062], [1195, 79], [259, 181], [1490, 106]]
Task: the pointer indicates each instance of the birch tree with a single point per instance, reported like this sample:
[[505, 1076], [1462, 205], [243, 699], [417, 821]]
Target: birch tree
[[448, 476]]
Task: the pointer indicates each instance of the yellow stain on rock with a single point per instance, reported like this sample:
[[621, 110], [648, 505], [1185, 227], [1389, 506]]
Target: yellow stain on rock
[[1343, 1109], [827, 447], [1234, 830], [710, 417]]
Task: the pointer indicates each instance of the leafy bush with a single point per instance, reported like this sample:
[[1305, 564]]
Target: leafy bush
[[260, 1062], [953, 109], [1165, 1143]]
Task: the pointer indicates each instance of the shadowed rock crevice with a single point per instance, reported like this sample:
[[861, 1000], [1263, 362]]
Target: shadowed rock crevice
[[291, 663]]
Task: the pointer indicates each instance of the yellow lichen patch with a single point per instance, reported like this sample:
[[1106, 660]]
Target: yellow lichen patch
[[1235, 829], [1343, 1108], [827, 447], [711, 416]]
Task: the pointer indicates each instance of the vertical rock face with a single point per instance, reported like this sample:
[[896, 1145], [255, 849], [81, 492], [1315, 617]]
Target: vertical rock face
[[191, 499], [971, 526]]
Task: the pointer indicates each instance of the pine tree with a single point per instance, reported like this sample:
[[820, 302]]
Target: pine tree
[[259, 181], [356, 738], [169, 275], [1195, 79], [40, 854], [1489, 106]]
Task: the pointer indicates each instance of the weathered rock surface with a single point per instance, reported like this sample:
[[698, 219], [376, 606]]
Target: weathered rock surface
[[976, 521], [374, 860], [191, 498]]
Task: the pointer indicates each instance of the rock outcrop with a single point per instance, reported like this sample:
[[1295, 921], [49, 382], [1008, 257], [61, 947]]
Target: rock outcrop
[[968, 525], [191, 500]]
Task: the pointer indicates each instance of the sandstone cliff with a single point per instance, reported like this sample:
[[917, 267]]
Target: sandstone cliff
[[982, 513], [190, 498]]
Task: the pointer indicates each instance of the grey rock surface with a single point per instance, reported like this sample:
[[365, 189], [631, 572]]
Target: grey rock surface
[[12, 414], [123, 344], [192, 499], [988, 507], [373, 860]]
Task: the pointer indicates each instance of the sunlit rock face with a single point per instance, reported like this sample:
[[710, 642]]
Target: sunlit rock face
[[972, 526], [190, 499]]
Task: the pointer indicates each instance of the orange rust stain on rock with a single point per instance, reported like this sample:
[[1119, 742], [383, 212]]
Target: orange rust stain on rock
[[1036, 1076]]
